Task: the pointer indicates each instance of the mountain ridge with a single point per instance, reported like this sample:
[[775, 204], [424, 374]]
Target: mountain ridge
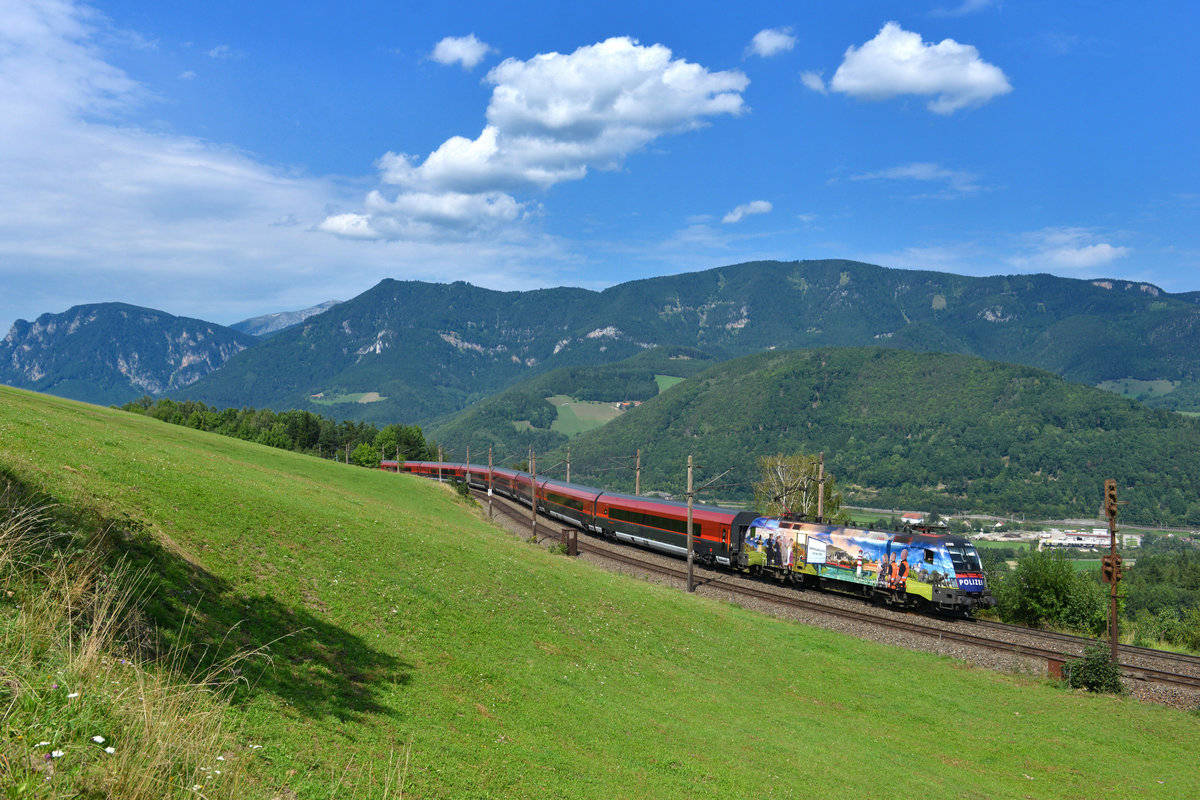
[[413, 351], [432, 349], [111, 353]]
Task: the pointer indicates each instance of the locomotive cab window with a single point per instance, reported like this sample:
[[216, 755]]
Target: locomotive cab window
[[964, 557]]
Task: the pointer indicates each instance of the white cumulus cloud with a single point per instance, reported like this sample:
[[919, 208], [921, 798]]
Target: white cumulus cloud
[[772, 41], [746, 210], [550, 119], [897, 62], [465, 50]]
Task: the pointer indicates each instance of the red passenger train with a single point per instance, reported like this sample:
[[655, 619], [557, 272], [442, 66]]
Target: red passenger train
[[717, 533], [912, 569]]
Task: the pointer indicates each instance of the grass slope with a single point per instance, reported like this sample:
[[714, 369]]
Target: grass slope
[[412, 627]]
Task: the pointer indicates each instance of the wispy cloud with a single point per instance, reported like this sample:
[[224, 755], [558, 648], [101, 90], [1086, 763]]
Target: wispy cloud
[[956, 181], [89, 200], [814, 81], [1069, 249], [746, 210], [966, 7]]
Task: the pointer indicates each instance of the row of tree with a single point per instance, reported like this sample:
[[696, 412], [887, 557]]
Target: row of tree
[[1159, 594], [358, 443]]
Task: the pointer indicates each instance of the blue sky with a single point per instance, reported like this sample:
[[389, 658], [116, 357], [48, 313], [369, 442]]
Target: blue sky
[[222, 160]]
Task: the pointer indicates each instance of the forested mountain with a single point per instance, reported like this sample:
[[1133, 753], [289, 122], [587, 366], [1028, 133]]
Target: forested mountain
[[906, 430], [112, 353], [413, 351]]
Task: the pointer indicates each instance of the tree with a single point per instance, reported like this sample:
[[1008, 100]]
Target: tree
[[789, 485], [365, 455], [1045, 589]]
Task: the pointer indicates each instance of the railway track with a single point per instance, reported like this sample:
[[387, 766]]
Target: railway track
[[1177, 671]]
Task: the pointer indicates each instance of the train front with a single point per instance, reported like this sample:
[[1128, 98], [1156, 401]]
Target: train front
[[964, 587]]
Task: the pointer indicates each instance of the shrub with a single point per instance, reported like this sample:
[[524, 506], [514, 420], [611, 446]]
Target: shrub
[[1094, 672]]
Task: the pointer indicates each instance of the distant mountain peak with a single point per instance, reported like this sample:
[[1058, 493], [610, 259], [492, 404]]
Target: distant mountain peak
[[114, 352], [268, 324]]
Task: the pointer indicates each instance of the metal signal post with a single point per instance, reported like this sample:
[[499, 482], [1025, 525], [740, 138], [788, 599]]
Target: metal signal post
[[1110, 565]]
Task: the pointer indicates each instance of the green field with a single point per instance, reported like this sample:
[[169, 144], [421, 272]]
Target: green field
[[403, 627], [1139, 389], [575, 416], [353, 397], [666, 382], [984, 544]]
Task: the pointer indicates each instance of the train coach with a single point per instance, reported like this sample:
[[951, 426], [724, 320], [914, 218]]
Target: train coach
[[911, 568]]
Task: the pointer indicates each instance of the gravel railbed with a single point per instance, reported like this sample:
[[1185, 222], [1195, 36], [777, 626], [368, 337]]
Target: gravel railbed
[[881, 632]]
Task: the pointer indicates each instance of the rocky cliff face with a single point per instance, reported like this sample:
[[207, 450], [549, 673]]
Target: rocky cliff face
[[112, 352]]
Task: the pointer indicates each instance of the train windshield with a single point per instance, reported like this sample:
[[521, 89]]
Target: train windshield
[[964, 557]]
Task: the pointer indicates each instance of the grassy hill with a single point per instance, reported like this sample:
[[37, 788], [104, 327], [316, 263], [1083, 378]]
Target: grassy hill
[[409, 637], [912, 430]]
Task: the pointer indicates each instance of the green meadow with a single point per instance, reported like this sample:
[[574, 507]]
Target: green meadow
[[416, 650], [576, 416]]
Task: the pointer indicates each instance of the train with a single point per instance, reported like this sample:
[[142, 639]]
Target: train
[[917, 568]]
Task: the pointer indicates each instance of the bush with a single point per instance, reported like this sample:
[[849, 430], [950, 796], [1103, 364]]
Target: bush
[[1045, 590], [1094, 672]]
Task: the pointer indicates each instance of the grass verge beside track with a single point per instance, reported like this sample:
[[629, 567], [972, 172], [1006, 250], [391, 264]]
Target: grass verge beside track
[[401, 624]]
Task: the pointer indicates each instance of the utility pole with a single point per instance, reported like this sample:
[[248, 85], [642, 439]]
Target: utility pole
[[821, 487], [533, 494], [637, 475], [440, 459], [691, 495], [1111, 565], [489, 483], [568, 464], [691, 587]]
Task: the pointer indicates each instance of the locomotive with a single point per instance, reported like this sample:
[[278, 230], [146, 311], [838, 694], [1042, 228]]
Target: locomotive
[[912, 568]]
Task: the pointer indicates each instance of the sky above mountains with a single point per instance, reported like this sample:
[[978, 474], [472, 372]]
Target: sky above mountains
[[222, 160]]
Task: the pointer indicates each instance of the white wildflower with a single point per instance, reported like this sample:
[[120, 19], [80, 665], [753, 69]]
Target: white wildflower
[[110, 750], [98, 739]]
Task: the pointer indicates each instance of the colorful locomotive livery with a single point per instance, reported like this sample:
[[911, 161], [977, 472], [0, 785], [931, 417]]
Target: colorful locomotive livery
[[909, 568], [912, 568]]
